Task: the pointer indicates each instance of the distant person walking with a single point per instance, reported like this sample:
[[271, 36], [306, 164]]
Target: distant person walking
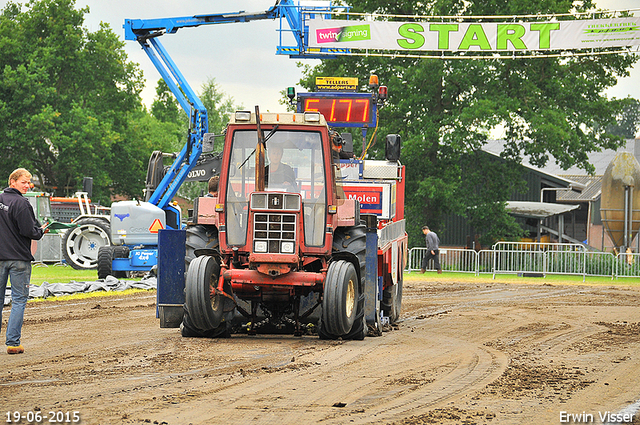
[[433, 250], [18, 227]]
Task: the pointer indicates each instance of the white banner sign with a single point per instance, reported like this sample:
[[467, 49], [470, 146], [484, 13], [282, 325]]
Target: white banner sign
[[482, 36]]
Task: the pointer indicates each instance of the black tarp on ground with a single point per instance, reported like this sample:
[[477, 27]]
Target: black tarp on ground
[[109, 284]]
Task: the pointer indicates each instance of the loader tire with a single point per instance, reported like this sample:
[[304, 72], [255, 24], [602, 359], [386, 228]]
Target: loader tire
[[80, 245], [120, 252], [106, 254], [105, 257]]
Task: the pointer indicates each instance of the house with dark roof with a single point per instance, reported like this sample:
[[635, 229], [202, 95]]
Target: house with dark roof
[[579, 193]]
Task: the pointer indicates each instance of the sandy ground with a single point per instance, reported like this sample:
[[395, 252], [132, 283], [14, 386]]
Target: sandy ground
[[477, 352]]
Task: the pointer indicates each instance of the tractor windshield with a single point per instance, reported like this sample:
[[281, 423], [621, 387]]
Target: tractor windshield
[[294, 163]]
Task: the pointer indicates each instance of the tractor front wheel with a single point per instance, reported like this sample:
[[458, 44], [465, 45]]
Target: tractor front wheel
[[340, 299], [203, 306]]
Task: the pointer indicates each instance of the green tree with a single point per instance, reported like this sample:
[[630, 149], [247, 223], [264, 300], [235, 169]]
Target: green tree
[[444, 109], [628, 120], [67, 97]]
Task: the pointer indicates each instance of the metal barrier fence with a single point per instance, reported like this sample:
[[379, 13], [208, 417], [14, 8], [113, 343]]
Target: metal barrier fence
[[531, 259]]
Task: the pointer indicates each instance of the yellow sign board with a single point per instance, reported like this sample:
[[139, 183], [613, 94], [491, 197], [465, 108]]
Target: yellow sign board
[[337, 83]]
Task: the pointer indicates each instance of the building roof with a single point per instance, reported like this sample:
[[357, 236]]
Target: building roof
[[591, 192], [600, 160], [537, 210]]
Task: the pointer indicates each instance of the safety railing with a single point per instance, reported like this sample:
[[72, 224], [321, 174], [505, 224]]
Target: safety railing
[[627, 265], [531, 259]]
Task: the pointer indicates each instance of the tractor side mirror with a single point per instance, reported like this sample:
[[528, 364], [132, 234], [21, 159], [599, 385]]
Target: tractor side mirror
[[392, 147], [347, 147]]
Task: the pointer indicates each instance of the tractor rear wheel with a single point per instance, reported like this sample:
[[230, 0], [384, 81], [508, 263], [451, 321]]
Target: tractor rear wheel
[[392, 296], [200, 237], [80, 244], [392, 301], [340, 299], [203, 306]]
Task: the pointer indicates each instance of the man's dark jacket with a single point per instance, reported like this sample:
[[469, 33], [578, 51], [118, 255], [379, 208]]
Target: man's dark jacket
[[18, 226]]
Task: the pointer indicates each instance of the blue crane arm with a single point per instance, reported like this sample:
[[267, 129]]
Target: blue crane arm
[[135, 28], [146, 33]]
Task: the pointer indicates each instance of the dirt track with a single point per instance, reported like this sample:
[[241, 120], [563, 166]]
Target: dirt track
[[464, 353]]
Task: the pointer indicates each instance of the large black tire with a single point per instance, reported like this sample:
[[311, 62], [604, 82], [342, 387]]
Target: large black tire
[[392, 296], [80, 245], [120, 252], [350, 244], [200, 237], [340, 299], [392, 301], [106, 254], [205, 312], [351, 240], [105, 257]]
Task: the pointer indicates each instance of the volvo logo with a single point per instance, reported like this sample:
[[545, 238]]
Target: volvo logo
[[196, 173]]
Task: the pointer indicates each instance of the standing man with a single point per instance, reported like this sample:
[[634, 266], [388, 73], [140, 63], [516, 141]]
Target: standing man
[[18, 227], [433, 250]]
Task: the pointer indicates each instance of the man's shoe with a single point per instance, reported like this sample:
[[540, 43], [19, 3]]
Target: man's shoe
[[15, 350], [440, 271], [422, 271]]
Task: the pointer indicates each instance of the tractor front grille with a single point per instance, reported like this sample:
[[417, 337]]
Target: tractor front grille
[[274, 233]]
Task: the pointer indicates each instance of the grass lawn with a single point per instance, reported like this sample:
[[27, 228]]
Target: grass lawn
[[550, 279], [60, 274]]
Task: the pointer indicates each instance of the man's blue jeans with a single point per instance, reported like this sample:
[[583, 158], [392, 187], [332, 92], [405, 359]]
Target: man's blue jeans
[[20, 274]]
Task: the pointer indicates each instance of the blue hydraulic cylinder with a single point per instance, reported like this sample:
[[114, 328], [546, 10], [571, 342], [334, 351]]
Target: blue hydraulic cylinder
[[170, 295]]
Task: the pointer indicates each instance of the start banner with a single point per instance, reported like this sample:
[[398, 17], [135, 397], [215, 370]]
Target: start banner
[[481, 36]]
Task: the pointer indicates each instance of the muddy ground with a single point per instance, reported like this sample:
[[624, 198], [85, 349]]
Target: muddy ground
[[478, 352]]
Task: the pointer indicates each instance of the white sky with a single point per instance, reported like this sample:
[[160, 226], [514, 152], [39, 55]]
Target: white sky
[[241, 56]]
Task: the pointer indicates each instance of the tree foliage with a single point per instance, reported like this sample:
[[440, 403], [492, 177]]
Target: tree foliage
[[68, 98], [444, 109], [627, 122]]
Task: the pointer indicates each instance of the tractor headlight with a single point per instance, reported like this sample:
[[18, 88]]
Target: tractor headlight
[[243, 115], [287, 247], [260, 246], [312, 116], [259, 201]]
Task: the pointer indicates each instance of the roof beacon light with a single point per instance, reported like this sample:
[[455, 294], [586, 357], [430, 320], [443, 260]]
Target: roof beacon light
[[382, 92], [291, 93], [373, 82]]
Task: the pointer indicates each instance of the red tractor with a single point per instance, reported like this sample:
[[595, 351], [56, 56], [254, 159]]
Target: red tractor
[[283, 246]]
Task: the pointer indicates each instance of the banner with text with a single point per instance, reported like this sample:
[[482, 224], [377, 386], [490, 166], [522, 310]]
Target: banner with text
[[482, 36]]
